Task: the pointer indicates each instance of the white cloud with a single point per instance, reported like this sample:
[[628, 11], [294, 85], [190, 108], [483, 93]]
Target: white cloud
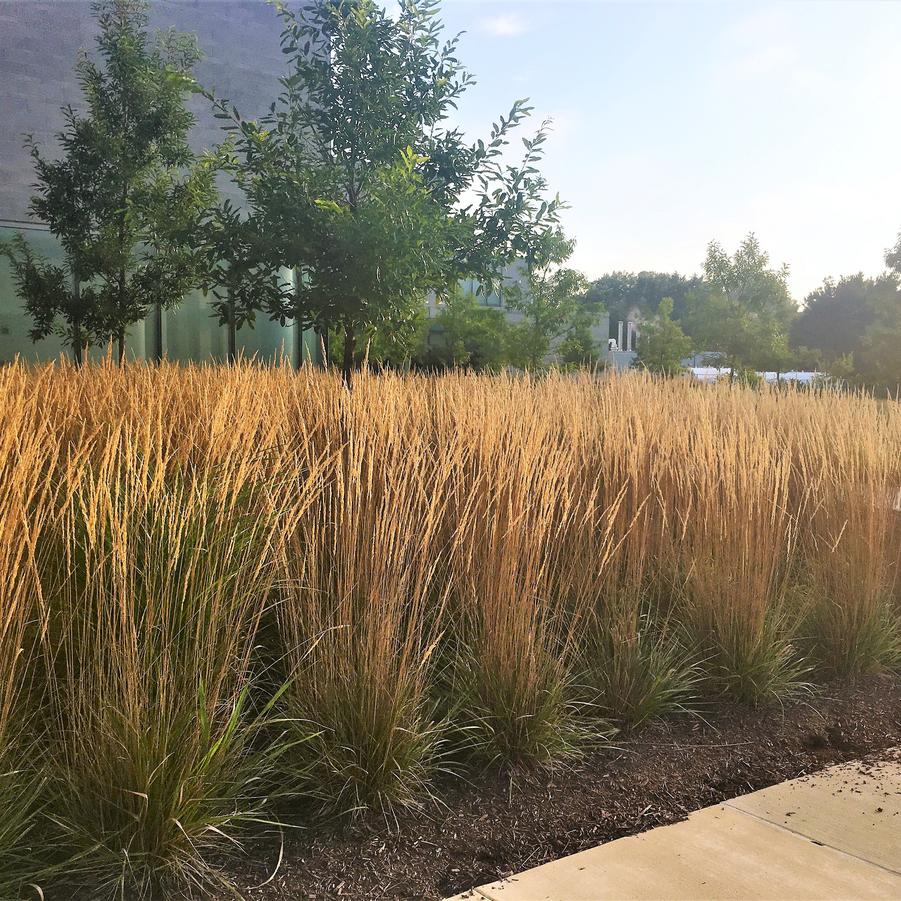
[[505, 25]]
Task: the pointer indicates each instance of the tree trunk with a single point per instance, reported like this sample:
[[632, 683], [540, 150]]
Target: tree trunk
[[77, 345], [157, 321], [232, 334], [120, 346], [347, 364], [77, 340]]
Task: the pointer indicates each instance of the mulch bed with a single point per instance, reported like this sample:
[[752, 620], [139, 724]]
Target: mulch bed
[[497, 824]]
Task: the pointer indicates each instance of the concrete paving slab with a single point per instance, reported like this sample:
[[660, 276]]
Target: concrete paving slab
[[833, 835], [718, 853], [854, 807]]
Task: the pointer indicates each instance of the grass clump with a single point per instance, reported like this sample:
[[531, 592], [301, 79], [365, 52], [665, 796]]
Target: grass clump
[[27, 451], [158, 576], [634, 671], [359, 625]]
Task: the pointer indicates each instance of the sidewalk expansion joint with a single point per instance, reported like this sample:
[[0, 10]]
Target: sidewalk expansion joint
[[814, 841]]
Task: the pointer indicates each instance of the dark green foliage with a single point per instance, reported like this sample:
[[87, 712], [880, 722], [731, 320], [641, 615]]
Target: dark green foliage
[[662, 345], [835, 316], [235, 269], [399, 345], [467, 333], [855, 326], [621, 292]]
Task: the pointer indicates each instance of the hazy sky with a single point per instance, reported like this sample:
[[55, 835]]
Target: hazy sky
[[677, 123]]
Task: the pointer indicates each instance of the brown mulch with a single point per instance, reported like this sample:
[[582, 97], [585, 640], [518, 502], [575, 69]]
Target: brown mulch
[[495, 825]]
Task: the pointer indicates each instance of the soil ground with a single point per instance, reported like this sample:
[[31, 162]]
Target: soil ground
[[497, 824]]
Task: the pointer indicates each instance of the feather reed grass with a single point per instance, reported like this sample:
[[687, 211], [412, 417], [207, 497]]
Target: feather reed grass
[[231, 593]]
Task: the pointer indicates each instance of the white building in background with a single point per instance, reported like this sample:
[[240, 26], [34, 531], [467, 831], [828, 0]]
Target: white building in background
[[715, 373], [623, 348]]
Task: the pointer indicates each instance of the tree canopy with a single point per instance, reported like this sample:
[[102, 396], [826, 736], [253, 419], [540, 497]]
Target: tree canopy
[[662, 345], [743, 309], [621, 292], [468, 334], [358, 182], [836, 315], [852, 324]]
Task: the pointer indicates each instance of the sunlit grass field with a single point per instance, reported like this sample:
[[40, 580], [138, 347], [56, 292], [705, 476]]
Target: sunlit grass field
[[231, 595]]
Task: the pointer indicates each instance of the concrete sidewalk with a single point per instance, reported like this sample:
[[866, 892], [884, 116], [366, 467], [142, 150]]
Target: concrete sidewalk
[[833, 835]]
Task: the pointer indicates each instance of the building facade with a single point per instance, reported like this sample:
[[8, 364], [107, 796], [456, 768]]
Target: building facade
[[40, 41]]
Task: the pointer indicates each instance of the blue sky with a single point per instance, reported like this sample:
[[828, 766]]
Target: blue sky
[[677, 123]]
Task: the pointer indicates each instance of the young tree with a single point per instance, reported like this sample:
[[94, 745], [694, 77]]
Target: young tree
[[662, 345], [356, 178], [580, 349], [125, 195], [236, 272], [469, 334], [53, 298], [550, 300], [744, 306]]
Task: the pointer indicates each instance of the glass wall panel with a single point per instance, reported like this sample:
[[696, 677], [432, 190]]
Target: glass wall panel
[[135, 346], [192, 333], [267, 342], [15, 323], [307, 348]]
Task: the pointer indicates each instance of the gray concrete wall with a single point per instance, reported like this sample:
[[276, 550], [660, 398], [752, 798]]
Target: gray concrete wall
[[40, 41]]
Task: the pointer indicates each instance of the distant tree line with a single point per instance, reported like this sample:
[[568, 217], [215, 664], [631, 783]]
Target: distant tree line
[[739, 313]]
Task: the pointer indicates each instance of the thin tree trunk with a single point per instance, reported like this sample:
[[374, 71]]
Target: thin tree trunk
[[120, 336], [77, 340], [77, 345], [347, 364], [157, 349], [232, 334]]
